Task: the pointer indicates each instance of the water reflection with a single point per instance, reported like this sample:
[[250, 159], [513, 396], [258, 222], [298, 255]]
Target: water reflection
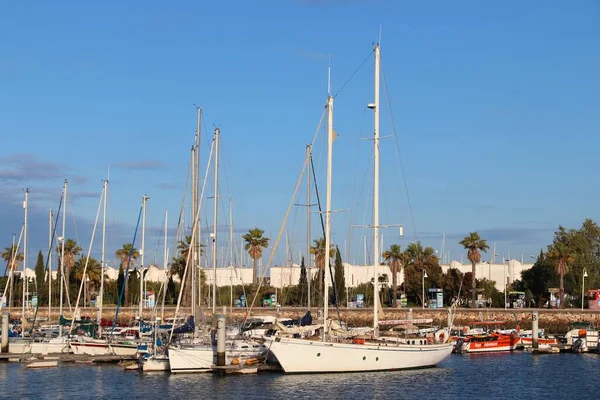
[[514, 375]]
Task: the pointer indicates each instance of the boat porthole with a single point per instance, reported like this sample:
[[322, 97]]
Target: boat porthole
[[376, 358], [364, 358], [318, 354]]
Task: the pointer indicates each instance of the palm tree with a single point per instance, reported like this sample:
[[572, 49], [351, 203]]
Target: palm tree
[[394, 257], [420, 259], [562, 257], [255, 242], [94, 274], [12, 259], [123, 254], [318, 250], [474, 244], [72, 250]]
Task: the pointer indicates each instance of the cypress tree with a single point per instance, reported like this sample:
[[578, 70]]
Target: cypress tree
[[39, 277], [340, 282]]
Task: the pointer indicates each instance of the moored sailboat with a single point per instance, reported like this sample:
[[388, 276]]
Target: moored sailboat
[[332, 354]]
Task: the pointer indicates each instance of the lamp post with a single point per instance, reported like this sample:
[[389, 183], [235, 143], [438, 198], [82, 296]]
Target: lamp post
[[424, 276], [505, 282], [583, 287]]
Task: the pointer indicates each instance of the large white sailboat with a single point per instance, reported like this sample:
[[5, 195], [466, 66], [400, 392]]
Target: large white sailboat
[[332, 354]]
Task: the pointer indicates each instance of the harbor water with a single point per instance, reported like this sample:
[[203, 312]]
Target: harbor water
[[494, 376]]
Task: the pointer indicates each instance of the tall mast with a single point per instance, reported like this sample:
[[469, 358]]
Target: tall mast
[[308, 236], [230, 233], [375, 107], [62, 254], [231, 254], [192, 269], [24, 276], [214, 234], [197, 239], [103, 256], [165, 265], [328, 212], [142, 251], [50, 226]]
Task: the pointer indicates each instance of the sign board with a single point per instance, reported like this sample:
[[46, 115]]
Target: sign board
[[151, 299], [406, 321], [440, 299]]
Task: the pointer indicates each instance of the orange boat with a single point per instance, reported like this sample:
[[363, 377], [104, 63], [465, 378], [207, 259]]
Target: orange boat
[[491, 343]]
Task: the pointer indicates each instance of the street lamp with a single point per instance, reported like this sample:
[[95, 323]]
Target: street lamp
[[424, 276], [583, 287], [506, 282]]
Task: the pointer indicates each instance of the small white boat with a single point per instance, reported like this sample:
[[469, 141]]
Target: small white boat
[[42, 364]]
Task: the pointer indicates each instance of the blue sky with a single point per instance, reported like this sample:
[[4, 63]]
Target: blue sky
[[495, 106]]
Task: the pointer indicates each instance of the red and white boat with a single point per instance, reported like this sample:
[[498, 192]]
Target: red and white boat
[[491, 343]]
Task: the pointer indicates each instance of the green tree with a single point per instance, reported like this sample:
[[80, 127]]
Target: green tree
[[39, 277], [474, 246], [255, 242], [93, 274], [124, 254], [394, 258], [421, 259], [72, 250], [12, 258], [539, 278], [178, 267], [318, 250], [340, 282], [302, 282], [562, 257]]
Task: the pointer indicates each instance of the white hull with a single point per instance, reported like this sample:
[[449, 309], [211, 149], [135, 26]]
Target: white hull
[[306, 356], [25, 347], [191, 359], [124, 349], [156, 363], [91, 348], [201, 358]]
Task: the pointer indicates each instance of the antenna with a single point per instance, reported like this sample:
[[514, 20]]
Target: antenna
[[380, 34], [108, 174]]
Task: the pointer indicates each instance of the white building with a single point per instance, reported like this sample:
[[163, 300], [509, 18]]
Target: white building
[[502, 274]]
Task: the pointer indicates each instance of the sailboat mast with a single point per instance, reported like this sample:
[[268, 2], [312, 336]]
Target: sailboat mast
[[192, 248], [230, 232], [328, 212], [50, 226], [215, 211], [376, 196], [197, 247], [308, 236], [103, 254], [24, 276], [165, 265], [143, 250], [62, 254]]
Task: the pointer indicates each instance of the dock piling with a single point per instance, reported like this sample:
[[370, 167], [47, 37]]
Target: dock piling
[[534, 329], [4, 347], [220, 340]]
